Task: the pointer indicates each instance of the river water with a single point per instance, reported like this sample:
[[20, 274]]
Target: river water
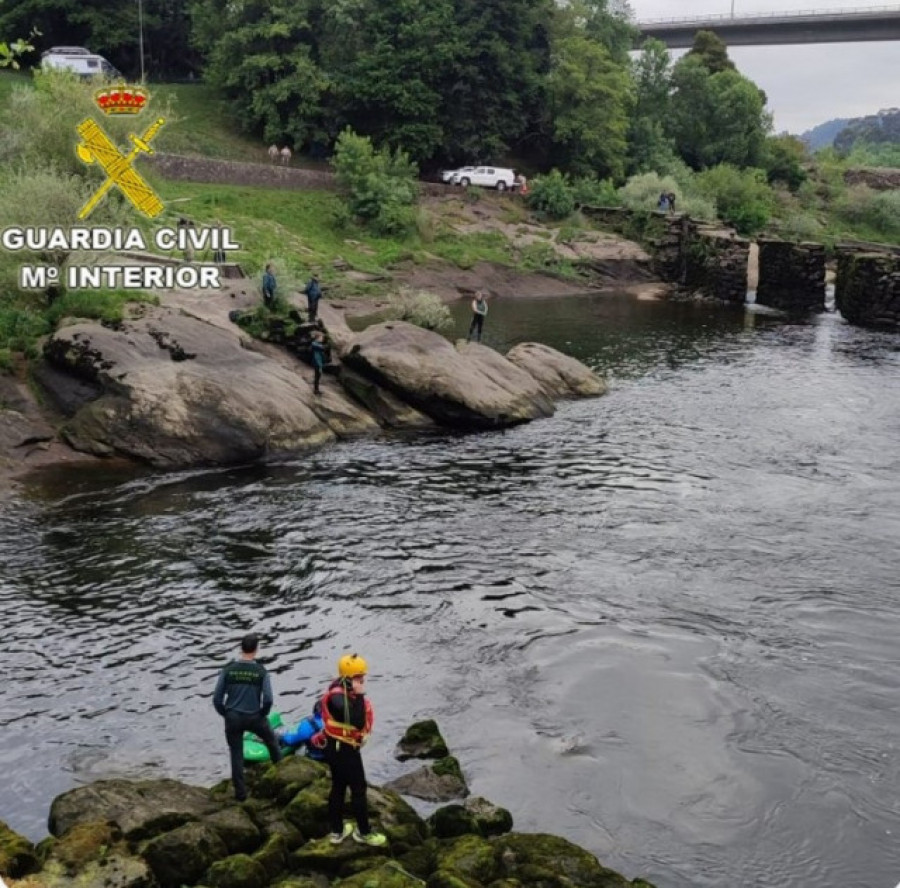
[[662, 623]]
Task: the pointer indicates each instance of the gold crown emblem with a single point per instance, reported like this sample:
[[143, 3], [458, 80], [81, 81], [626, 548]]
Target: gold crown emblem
[[121, 99]]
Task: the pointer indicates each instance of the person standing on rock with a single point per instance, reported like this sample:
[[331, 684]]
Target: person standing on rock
[[348, 718], [479, 313], [268, 287], [318, 357], [313, 295], [243, 697]]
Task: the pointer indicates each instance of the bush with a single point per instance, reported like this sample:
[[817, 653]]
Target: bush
[[878, 211], [420, 308], [589, 191], [381, 186], [642, 192], [552, 195], [744, 197]]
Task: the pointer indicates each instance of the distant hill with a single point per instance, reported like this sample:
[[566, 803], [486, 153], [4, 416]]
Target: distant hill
[[823, 135], [842, 132]]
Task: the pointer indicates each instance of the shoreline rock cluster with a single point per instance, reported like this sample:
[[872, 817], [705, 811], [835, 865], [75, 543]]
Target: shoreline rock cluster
[[166, 834], [174, 390]]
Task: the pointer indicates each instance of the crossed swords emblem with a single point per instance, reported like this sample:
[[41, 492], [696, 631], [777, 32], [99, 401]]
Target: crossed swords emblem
[[97, 147]]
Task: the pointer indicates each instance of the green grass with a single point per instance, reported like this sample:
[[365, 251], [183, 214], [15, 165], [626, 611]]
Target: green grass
[[297, 229], [9, 80], [200, 123]]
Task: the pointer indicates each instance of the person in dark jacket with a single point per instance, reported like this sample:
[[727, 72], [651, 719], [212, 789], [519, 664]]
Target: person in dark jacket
[[318, 358], [243, 697], [268, 287], [313, 295], [348, 718]]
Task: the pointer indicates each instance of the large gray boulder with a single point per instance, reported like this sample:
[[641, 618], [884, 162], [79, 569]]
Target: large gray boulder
[[559, 375], [470, 387], [140, 809], [173, 390]]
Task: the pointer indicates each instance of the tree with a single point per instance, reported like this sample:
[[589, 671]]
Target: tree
[[716, 117], [711, 51], [261, 56], [589, 99], [783, 157], [649, 146]]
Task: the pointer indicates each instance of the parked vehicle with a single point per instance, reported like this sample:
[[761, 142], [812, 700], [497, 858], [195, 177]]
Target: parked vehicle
[[79, 61], [487, 177], [447, 175]]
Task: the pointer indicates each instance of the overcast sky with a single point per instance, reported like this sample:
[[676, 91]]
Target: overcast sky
[[810, 83]]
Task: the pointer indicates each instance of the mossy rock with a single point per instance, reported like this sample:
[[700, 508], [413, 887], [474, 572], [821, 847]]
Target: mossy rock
[[422, 740], [271, 822], [453, 820], [114, 871], [492, 820], [444, 879], [346, 858], [421, 861], [471, 857], [303, 882], [308, 810], [273, 857], [397, 819], [236, 829], [506, 883], [448, 766], [17, 855], [389, 875], [83, 843], [237, 871], [288, 777], [182, 856], [552, 862]]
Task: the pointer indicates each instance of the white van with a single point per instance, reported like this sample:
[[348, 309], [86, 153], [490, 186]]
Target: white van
[[487, 177], [79, 61]]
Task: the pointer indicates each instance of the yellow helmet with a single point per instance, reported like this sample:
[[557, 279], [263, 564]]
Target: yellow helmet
[[352, 664]]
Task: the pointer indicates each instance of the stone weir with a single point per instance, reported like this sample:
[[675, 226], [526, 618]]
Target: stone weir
[[791, 276], [867, 287], [166, 834], [173, 387], [704, 258]]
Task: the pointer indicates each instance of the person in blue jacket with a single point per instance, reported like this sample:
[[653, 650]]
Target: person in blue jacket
[[304, 732]]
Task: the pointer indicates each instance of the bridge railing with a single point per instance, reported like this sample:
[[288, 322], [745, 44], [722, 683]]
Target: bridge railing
[[761, 16]]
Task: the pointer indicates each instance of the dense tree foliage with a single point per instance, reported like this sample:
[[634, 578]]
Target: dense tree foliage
[[550, 84]]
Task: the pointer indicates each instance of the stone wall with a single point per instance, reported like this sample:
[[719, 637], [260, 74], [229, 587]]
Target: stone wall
[[791, 276], [867, 289], [700, 257], [229, 172]]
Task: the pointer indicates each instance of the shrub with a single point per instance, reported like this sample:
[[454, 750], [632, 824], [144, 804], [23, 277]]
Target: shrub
[[420, 308], [744, 197], [381, 186], [552, 195], [593, 192], [642, 192], [875, 210]]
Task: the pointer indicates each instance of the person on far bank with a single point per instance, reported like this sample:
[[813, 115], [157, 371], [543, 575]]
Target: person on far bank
[[243, 697], [268, 287], [348, 718], [479, 313], [313, 295], [318, 357]]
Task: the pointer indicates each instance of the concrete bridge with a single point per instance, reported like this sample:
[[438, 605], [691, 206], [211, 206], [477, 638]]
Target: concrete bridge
[[874, 23]]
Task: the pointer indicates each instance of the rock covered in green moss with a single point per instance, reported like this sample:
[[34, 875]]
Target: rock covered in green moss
[[389, 875], [182, 856], [237, 871], [453, 820], [17, 854], [492, 820], [82, 844], [422, 740]]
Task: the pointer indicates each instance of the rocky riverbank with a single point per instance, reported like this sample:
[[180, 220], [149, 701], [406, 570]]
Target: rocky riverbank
[[179, 384], [167, 834]]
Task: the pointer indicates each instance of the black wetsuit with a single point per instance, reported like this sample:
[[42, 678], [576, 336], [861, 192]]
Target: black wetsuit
[[346, 761]]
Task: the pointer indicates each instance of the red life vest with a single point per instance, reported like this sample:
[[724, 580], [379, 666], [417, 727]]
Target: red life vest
[[343, 731]]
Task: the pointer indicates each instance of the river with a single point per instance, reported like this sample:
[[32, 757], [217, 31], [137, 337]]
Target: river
[[661, 624]]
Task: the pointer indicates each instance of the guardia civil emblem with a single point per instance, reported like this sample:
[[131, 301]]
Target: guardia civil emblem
[[97, 147]]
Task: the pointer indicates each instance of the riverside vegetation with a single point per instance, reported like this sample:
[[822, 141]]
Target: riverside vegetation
[[377, 225]]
